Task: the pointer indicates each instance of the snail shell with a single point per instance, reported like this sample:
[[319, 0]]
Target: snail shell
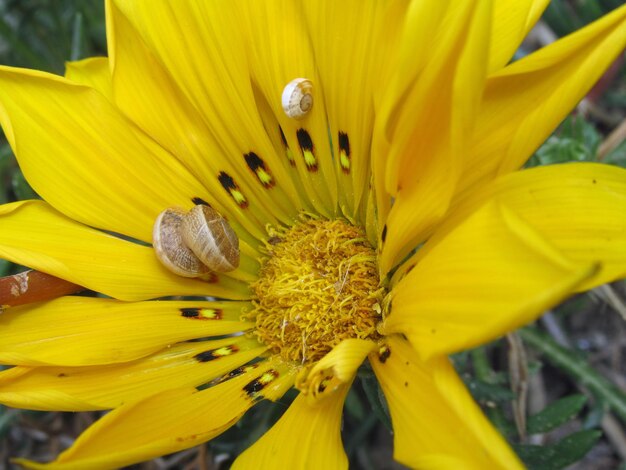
[[297, 99], [193, 243], [211, 238], [170, 248]]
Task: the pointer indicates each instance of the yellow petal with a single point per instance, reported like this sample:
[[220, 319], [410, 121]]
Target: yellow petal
[[207, 60], [436, 423], [104, 387], [493, 273], [433, 121], [86, 159], [145, 91], [419, 23], [93, 72], [35, 235], [584, 217], [512, 20], [349, 57], [525, 101], [78, 331], [306, 436], [335, 369], [580, 208], [275, 60], [168, 421]]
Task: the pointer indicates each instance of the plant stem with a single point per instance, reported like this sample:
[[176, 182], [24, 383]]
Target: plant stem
[[567, 360]]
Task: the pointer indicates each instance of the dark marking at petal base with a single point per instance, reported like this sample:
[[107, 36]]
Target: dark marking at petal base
[[406, 384], [344, 143], [288, 151], [198, 201], [217, 353], [383, 353], [259, 168], [237, 372], [253, 387], [199, 313], [282, 137], [228, 183], [254, 161], [308, 149], [61, 375], [304, 139], [383, 235], [344, 152]]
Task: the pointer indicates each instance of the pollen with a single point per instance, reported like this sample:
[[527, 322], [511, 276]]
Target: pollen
[[318, 286]]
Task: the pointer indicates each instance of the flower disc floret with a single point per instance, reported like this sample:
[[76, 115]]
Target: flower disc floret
[[318, 286]]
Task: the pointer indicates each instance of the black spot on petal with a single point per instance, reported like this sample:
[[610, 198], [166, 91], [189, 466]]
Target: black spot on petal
[[259, 168], [344, 152], [229, 184], [282, 136], [255, 386], [190, 312], [200, 202], [199, 313], [308, 149], [344, 143], [212, 354], [304, 139], [383, 353]]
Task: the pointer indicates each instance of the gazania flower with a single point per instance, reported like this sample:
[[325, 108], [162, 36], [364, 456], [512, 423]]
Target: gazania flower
[[379, 217]]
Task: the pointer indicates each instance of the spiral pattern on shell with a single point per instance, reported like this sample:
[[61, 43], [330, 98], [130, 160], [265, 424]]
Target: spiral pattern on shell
[[297, 98]]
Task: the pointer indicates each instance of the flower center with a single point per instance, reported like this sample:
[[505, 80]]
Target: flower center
[[318, 286]]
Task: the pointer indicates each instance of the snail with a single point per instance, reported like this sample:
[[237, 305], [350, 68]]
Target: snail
[[297, 99], [193, 243]]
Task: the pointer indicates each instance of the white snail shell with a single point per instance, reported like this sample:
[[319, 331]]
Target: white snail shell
[[193, 243], [297, 99]]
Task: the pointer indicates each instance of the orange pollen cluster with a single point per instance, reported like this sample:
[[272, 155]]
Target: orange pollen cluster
[[318, 286]]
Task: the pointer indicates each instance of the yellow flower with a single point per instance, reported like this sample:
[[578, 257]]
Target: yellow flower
[[387, 223]]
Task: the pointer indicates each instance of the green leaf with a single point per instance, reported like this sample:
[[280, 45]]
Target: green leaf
[[555, 414], [377, 400], [569, 361], [617, 156], [486, 392], [565, 452], [353, 405], [575, 140]]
